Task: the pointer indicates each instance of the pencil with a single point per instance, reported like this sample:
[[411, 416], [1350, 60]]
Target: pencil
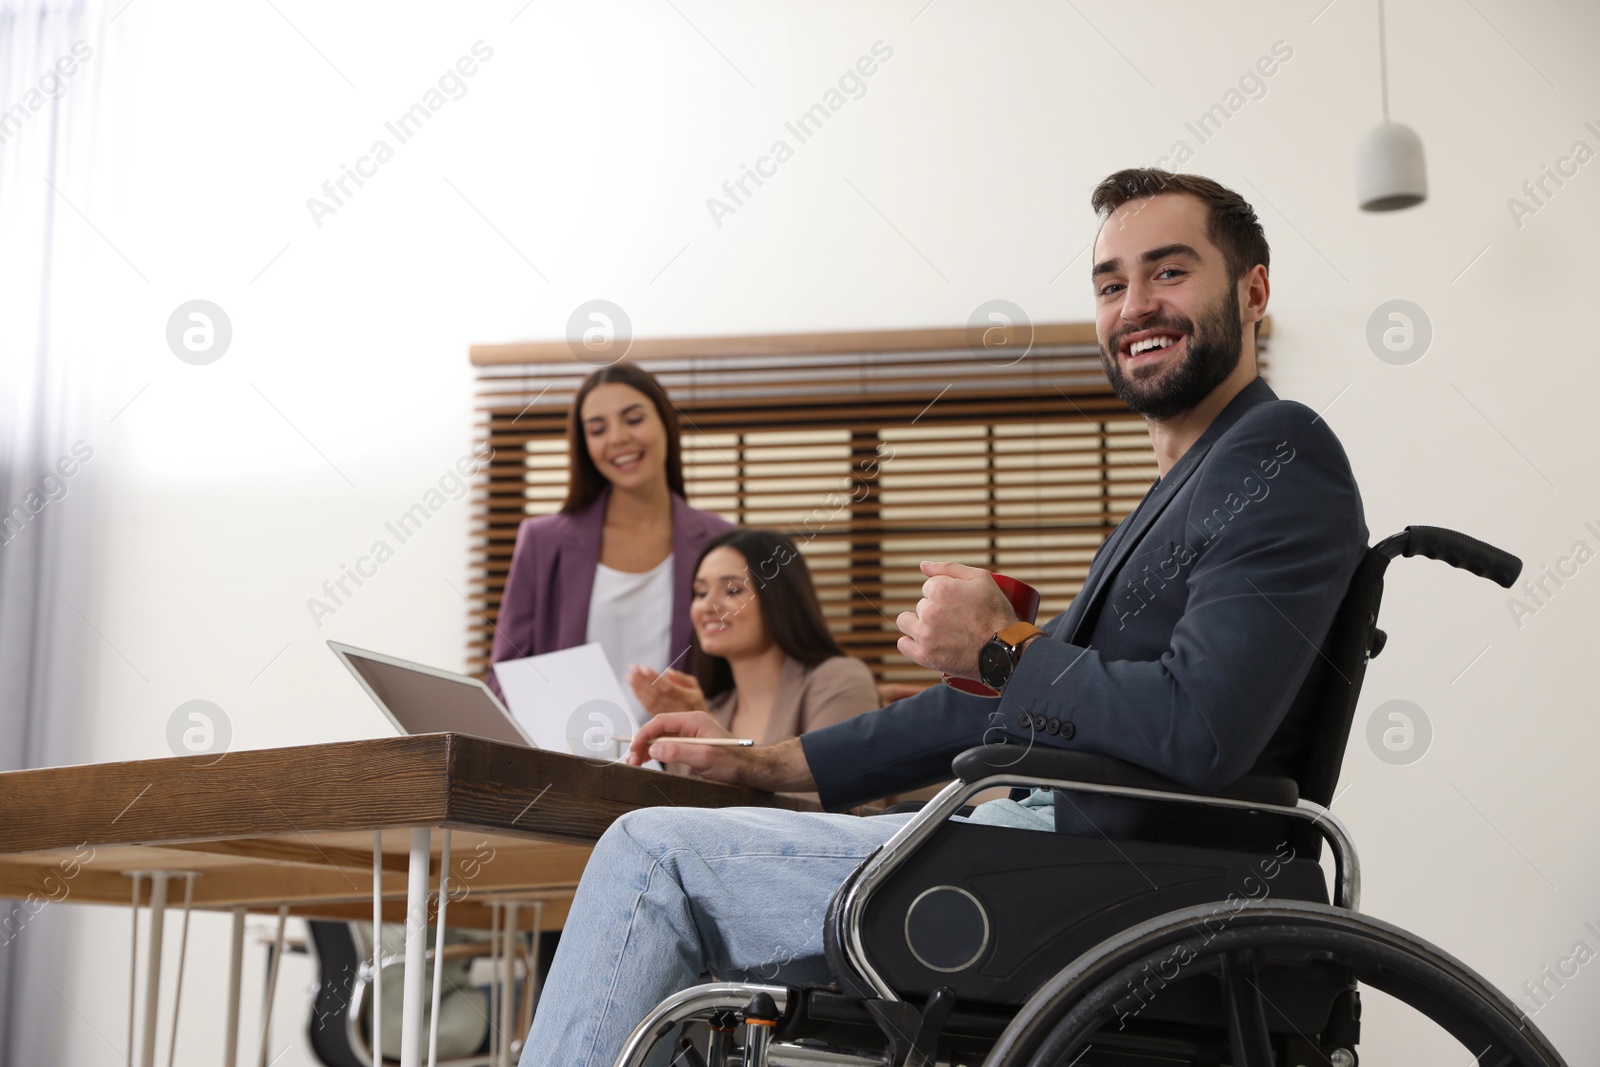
[[736, 742]]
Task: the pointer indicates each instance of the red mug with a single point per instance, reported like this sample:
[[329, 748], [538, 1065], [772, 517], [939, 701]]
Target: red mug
[[1025, 602]]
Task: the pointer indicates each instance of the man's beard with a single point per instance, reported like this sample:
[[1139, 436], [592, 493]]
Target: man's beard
[[1213, 352]]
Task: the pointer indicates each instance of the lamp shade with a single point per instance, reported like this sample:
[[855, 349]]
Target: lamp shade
[[1390, 173]]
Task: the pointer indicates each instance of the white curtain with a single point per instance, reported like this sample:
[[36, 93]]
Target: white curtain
[[47, 90]]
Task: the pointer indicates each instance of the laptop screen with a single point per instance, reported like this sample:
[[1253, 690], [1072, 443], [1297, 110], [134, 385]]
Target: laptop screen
[[424, 703]]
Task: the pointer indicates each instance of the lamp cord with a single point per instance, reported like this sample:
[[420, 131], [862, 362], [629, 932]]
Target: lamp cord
[[1383, 63]]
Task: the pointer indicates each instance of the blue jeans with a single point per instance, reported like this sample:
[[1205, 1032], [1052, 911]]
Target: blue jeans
[[671, 894]]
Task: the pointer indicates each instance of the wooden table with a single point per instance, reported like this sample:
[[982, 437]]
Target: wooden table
[[354, 830]]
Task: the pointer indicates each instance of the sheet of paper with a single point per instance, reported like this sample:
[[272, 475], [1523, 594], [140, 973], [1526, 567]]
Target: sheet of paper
[[568, 701]]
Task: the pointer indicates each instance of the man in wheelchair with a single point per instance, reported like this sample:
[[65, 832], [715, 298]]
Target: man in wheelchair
[[1201, 616]]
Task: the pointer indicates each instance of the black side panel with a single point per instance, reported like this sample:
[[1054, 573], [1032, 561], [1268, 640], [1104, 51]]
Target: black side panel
[[1042, 899]]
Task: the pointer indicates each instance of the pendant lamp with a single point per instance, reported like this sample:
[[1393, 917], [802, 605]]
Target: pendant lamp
[[1390, 174]]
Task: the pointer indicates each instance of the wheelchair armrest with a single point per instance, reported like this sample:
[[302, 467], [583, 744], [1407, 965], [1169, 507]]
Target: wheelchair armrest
[[1046, 762]]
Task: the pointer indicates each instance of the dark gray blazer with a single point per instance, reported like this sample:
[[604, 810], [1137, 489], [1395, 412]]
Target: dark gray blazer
[[1200, 616]]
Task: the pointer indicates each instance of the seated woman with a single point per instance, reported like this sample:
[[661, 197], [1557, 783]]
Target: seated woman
[[768, 668], [615, 564]]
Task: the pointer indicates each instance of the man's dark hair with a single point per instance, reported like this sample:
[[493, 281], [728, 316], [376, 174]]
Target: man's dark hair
[[788, 600], [1231, 222], [585, 483]]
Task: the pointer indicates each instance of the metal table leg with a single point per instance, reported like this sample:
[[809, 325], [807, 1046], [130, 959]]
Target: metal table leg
[[508, 988], [438, 950], [230, 1039], [272, 986], [152, 973], [416, 949], [183, 956], [377, 948], [133, 963]]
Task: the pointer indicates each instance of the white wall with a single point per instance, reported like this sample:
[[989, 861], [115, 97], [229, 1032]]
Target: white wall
[[591, 141]]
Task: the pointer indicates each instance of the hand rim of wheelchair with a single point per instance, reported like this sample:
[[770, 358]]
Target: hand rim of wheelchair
[[1054, 1024]]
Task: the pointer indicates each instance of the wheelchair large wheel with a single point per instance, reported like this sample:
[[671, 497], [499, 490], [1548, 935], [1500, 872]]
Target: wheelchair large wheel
[[1093, 993]]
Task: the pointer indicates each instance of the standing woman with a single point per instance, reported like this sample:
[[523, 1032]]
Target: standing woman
[[616, 563]]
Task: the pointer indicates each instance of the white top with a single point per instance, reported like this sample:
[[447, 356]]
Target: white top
[[630, 615]]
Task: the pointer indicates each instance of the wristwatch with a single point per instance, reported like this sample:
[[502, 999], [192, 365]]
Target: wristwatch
[[999, 655]]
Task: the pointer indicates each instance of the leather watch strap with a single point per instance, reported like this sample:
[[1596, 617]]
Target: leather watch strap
[[1017, 633]]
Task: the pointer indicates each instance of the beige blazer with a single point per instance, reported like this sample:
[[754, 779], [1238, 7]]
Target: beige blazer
[[809, 698]]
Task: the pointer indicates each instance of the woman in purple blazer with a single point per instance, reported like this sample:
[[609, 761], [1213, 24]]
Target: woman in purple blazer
[[616, 563]]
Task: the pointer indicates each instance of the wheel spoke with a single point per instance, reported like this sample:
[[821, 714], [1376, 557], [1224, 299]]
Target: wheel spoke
[[1246, 1015]]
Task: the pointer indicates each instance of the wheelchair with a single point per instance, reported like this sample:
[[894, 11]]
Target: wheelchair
[[958, 943]]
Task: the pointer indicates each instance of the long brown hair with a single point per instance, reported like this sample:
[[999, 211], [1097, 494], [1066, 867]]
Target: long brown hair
[[788, 600], [585, 483]]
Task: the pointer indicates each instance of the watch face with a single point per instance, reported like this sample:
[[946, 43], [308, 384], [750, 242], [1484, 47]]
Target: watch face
[[994, 664]]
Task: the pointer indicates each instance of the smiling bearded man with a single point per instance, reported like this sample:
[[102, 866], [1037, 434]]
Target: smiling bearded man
[[1212, 354], [1195, 686]]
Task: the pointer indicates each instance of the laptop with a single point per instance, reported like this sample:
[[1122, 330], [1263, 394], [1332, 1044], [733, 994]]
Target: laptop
[[426, 700]]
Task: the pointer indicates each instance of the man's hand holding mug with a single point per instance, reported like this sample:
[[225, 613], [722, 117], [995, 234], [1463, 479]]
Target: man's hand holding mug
[[961, 609]]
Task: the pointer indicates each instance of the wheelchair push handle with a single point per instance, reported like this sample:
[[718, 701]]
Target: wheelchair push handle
[[1456, 549]]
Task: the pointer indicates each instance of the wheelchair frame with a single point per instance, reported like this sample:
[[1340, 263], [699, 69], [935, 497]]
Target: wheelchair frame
[[1066, 1011], [702, 1000]]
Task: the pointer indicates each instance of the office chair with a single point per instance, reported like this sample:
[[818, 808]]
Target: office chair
[[340, 1023], [1213, 943]]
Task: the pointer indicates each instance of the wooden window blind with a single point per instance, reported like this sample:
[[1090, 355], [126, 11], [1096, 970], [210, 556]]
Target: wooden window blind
[[873, 450]]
